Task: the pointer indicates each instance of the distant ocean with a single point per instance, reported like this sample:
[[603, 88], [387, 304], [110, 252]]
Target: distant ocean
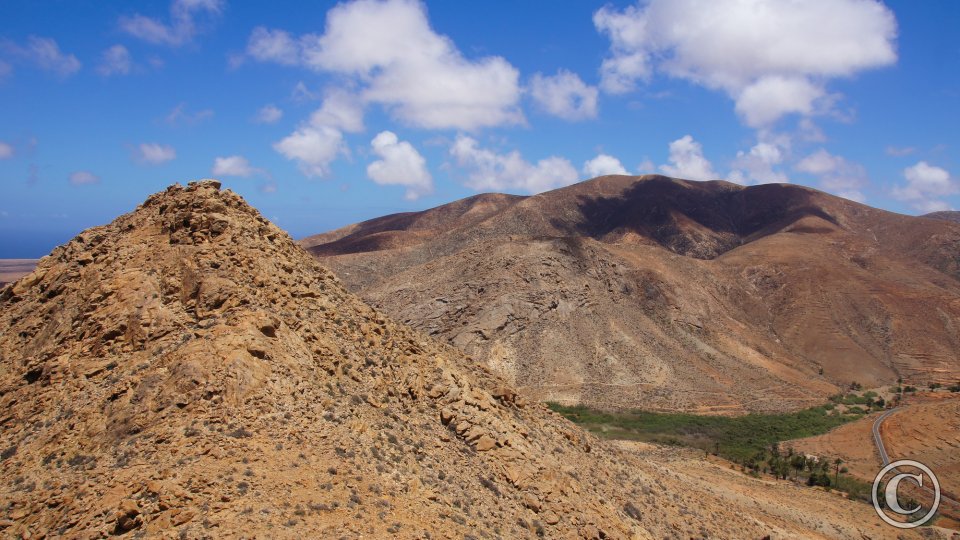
[[17, 244]]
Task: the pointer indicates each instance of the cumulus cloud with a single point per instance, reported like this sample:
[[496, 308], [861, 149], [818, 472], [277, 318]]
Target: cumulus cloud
[[45, 54], [758, 165], [837, 174], [564, 95], [766, 100], [83, 178], [398, 61], [314, 148], [488, 170], [186, 18], [233, 166], [115, 60], [339, 110], [399, 164], [603, 165], [316, 143], [268, 114], [6, 150], [687, 161], [154, 153], [772, 57], [926, 186]]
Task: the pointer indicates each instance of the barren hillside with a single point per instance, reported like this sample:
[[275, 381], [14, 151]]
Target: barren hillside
[[668, 294], [947, 215], [188, 371]]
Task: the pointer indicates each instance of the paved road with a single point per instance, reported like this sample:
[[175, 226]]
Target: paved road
[[886, 458], [878, 439]]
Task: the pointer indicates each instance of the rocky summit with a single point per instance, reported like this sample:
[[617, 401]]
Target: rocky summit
[[188, 371]]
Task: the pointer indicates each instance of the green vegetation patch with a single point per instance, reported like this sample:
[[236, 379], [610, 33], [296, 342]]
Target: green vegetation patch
[[737, 438]]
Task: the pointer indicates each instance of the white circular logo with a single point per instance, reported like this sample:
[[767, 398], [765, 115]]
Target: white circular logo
[[890, 493]]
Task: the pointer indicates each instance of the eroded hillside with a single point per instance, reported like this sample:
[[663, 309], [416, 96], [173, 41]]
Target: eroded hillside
[[668, 294]]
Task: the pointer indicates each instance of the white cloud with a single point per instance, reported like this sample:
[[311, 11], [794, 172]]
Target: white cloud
[[268, 114], [183, 25], [399, 164], [564, 95], [758, 165], [318, 142], [180, 115], [603, 165], [115, 60], [771, 56], [6, 150], [45, 54], [766, 100], [926, 185], [339, 110], [687, 161], [83, 178], [266, 45], [390, 51], [232, 166], [314, 148], [487, 170], [154, 153], [837, 174]]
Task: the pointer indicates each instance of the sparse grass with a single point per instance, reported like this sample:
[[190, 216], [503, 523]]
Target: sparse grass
[[737, 438], [855, 488]]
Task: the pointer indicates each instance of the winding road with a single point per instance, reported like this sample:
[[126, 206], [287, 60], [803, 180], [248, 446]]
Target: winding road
[[886, 458], [878, 439]]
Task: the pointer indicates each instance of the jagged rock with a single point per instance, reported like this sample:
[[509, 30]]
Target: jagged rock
[[485, 442]]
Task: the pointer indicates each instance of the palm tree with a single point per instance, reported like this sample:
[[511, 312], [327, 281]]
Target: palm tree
[[798, 462], [836, 479]]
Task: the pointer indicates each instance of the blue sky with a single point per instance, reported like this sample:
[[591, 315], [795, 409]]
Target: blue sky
[[324, 114]]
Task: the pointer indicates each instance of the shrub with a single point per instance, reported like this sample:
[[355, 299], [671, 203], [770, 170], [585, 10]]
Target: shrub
[[8, 453]]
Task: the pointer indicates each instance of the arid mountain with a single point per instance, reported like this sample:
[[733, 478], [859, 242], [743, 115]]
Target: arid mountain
[[947, 215], [188, 371], [668, 294]]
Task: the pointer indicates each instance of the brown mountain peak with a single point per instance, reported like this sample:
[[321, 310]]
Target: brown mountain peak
[[188, 366]]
